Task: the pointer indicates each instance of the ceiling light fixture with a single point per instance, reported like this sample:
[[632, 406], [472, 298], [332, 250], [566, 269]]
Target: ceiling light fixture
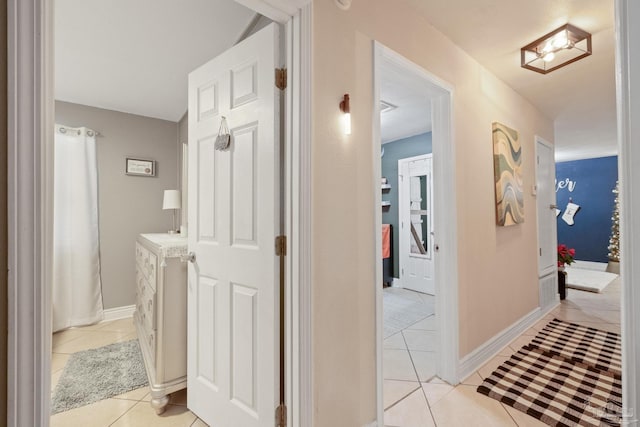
[[560, 47]]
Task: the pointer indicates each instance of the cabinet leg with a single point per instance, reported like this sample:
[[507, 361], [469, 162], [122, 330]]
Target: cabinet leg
[[159, 404]]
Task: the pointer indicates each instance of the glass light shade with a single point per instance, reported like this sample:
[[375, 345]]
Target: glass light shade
[[346, 123]]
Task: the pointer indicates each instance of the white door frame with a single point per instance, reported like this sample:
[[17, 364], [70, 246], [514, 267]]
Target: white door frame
[[30, 204], [628, 110], [403, 239], [542, 141], [446, 262]]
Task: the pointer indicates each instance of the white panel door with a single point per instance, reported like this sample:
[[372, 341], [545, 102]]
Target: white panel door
[[546, 207], [416, 223], [233, 297]]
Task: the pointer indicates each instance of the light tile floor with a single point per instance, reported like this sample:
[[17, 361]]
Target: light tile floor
[[413, 396], [130, 409], [431, 402], [409, 353]]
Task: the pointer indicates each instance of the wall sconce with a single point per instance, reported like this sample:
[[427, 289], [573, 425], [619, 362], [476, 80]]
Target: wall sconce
[[346, 114], [560, 47]]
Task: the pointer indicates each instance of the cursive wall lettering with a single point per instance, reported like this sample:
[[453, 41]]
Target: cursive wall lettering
[[565, 183]]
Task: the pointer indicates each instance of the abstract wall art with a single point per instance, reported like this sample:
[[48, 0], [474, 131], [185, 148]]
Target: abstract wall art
[[507, 164]]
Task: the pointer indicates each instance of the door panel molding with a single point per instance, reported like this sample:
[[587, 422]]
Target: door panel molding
[[408, 168]]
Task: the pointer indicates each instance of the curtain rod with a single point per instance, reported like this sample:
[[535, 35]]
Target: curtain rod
[[65, 129]]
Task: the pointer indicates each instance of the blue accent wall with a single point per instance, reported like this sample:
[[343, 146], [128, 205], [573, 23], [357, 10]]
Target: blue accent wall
[[394, 151], [589, 184]]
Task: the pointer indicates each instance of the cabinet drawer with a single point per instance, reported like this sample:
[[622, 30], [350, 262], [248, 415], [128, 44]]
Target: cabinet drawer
[[151, 342], [146, 303], [140, 282], [147, 263], [149, 303], [146, 337], [151, 268]]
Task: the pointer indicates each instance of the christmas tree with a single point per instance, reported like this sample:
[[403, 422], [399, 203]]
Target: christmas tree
[[614, 241]]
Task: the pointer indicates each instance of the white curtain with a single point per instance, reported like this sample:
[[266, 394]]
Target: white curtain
[[77, 289]]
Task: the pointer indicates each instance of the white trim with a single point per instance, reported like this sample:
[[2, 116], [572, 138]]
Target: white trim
[[377, 201], [561, 157], [554, 225], [302, 201], [298, 223], [445, 215], [30, 124], [481, 355], [117, 313], [628, 109], [445, 218], [277, 10], [30, 114]]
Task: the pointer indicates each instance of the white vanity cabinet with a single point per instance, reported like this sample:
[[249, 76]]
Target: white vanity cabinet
[[161, 313]]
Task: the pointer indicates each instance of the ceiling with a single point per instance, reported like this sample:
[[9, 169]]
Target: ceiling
[[134, 55], [410, 97], [580, 97]]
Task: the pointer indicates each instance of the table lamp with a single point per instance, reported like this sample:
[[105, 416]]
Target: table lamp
[[172, 200]]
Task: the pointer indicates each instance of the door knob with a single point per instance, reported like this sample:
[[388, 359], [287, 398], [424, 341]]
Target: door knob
[[552, 207], [191, 257]]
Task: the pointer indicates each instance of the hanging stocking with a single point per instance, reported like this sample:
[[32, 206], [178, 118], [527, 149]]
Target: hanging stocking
[[570, 212]]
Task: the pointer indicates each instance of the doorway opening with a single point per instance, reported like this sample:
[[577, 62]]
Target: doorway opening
[[171, 151], [416, 294]]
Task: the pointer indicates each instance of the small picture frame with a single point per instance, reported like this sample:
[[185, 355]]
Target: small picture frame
[[140, 167]]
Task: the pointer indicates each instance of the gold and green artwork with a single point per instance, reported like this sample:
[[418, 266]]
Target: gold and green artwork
[[507, 163]]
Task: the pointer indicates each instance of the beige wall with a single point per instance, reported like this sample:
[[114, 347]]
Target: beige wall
[[3, 212], [497, 265], [129, 205]]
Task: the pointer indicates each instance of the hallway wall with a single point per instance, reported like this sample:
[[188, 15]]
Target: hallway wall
[[496, 264]]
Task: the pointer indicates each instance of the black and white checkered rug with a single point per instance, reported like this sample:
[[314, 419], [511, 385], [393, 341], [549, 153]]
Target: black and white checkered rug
[[569, 375]]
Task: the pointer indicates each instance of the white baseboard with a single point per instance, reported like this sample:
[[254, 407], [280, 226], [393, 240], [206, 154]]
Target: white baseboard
[[371, 424], [481, 355], [396, 283], [119, 312], [589, 265]]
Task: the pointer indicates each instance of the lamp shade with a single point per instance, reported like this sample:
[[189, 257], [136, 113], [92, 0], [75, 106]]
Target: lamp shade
[[172, 199]]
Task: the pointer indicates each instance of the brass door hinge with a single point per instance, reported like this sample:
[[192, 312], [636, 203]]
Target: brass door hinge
[[281, 78], [281, 415], [281, 245]]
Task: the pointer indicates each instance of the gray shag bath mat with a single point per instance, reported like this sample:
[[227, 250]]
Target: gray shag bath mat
[[99, 373]]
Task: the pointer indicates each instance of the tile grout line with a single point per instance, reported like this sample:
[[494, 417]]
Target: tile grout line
[[125, 412], [509, 414], [401, 399], [428, 405]]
